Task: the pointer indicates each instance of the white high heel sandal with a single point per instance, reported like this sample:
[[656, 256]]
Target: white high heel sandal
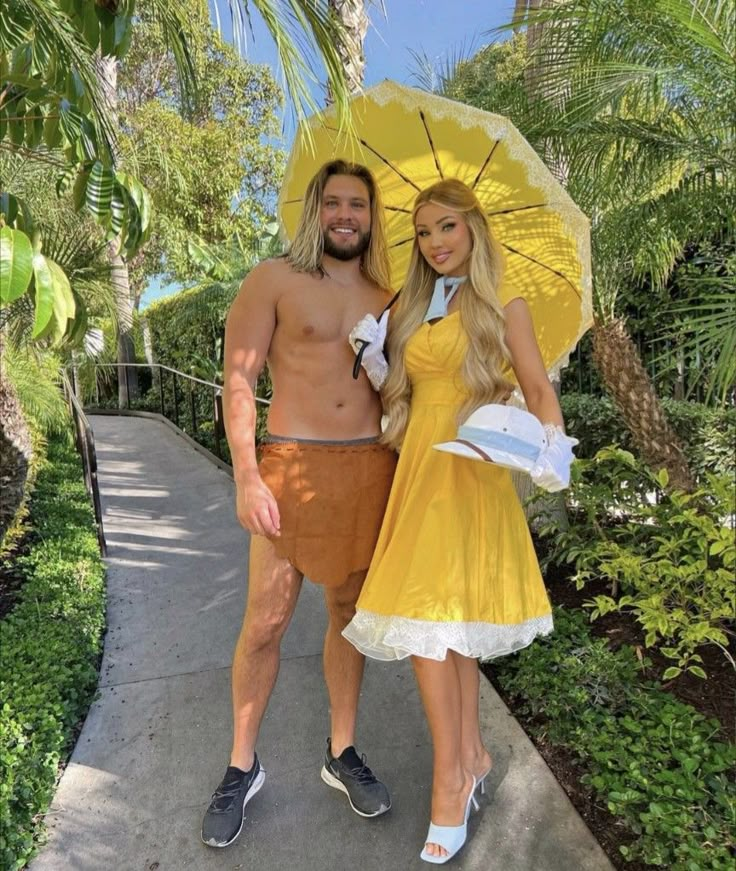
[[450, 838], [481, 782]]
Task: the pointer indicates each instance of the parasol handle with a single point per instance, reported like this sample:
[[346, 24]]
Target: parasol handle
[[364, 344]]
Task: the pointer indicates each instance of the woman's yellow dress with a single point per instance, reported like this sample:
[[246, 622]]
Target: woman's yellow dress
[[454, 567]]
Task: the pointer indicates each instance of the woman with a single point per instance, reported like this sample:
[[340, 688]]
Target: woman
[[454, 576]]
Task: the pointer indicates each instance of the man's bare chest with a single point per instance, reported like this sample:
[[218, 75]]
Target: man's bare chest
[[319, 316]]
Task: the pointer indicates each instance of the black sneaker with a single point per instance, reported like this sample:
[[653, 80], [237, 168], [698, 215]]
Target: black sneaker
[[348, 772], [225, 815]]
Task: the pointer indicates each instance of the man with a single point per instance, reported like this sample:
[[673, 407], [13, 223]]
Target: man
[[315, 502]]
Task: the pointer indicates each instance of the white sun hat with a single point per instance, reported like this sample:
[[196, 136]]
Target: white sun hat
[[499, 434]]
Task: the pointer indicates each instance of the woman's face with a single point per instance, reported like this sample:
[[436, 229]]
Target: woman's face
[[444, 239]]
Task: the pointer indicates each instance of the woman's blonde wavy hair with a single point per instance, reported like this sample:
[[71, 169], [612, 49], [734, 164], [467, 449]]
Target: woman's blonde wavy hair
[[305, 253], [481, 314]]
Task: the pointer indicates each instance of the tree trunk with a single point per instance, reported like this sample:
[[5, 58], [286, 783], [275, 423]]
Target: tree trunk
[[618, 361], [15, 453], [353, 17], [124, 304], [127, 375], [520, 7]]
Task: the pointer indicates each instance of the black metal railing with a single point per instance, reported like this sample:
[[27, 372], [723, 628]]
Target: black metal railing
[[85, 442], [192, 404]]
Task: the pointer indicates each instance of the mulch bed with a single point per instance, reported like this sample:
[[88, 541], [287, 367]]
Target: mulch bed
[[714, 697]]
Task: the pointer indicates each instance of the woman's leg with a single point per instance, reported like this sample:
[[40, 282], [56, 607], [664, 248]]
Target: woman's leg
[[475, 758], [440, 689]]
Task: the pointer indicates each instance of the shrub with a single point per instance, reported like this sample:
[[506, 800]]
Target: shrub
[[655, 762], [50, 645], [668, 556], [707, 434]]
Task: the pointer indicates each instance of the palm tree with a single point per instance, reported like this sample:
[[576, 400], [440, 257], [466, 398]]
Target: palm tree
[[639, 105], [50, 55], [354, 20]]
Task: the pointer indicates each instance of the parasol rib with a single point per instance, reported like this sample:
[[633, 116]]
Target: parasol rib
[[431, 144], [544, 266], [518, 209], [401, 242], [386, 161], [485, 164]]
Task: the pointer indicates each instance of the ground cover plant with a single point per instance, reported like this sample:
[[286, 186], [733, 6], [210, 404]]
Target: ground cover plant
[[657, 772], [50, 644]]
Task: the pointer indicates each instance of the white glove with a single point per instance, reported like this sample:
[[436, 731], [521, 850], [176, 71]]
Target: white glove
[[552, 470], [372, 333]]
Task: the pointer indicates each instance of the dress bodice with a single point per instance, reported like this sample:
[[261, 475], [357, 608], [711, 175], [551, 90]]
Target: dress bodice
[[434, 357]]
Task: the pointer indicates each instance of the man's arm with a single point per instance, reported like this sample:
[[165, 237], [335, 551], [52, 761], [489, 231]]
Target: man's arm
[[250, 325]]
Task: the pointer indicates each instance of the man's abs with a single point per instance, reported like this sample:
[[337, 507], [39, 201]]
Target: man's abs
[[323, 405]]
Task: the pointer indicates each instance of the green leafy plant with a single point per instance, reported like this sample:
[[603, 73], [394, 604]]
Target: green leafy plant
[[668, 556], [50, 643], [658, 765], [707, 434]]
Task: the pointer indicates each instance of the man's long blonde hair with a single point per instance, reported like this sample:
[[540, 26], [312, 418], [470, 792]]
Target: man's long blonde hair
[[305, 253], [481, 314]]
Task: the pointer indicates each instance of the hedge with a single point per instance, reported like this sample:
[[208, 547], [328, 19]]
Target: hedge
[[708, 434], [50, 646]]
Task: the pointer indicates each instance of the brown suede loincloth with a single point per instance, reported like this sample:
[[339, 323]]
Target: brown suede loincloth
[[331, 498]]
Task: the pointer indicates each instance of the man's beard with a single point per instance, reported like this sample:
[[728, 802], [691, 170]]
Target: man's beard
[[340, 252]]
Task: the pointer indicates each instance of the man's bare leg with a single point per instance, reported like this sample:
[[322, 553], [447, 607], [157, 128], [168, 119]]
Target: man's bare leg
[[344, 769], [343, 664], [273, 590]]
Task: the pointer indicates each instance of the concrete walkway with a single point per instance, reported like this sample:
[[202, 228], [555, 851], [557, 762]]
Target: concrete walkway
[[156, 741]]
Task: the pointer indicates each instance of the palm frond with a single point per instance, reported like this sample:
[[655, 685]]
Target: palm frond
[[36, 381], [302, 30]]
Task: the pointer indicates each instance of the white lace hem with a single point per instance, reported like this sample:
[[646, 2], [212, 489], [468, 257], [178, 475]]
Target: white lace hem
[[389, 638]]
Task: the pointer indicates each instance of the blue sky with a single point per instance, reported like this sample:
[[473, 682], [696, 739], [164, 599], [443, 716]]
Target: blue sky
[[439, 29]]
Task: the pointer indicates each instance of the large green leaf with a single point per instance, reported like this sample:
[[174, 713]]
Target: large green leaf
[[63, 182], [63, 302], [78, 328], [43, 293], [8, 207], [17, 214], [140, 197], [70, 120], [91, 26], [79, 191], [51, 130], [99, 190], [16, 264], [117, 213], [34, 128]]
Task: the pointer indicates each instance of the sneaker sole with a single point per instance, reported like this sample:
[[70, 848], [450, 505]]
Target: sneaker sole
[[254, 787], [332, 781]]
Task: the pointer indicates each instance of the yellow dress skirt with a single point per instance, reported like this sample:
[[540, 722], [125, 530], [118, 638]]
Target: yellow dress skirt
[[454, 567]]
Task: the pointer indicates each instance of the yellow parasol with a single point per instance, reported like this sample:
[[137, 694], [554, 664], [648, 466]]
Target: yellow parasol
[[411, 139]]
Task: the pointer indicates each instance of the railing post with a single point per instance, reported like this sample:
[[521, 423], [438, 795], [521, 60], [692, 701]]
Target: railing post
[[176, 400], [160, 388], [217, 418], [193, 409], [127, 387]]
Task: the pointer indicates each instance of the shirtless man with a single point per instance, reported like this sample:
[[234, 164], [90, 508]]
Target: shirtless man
[[314, 503]]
